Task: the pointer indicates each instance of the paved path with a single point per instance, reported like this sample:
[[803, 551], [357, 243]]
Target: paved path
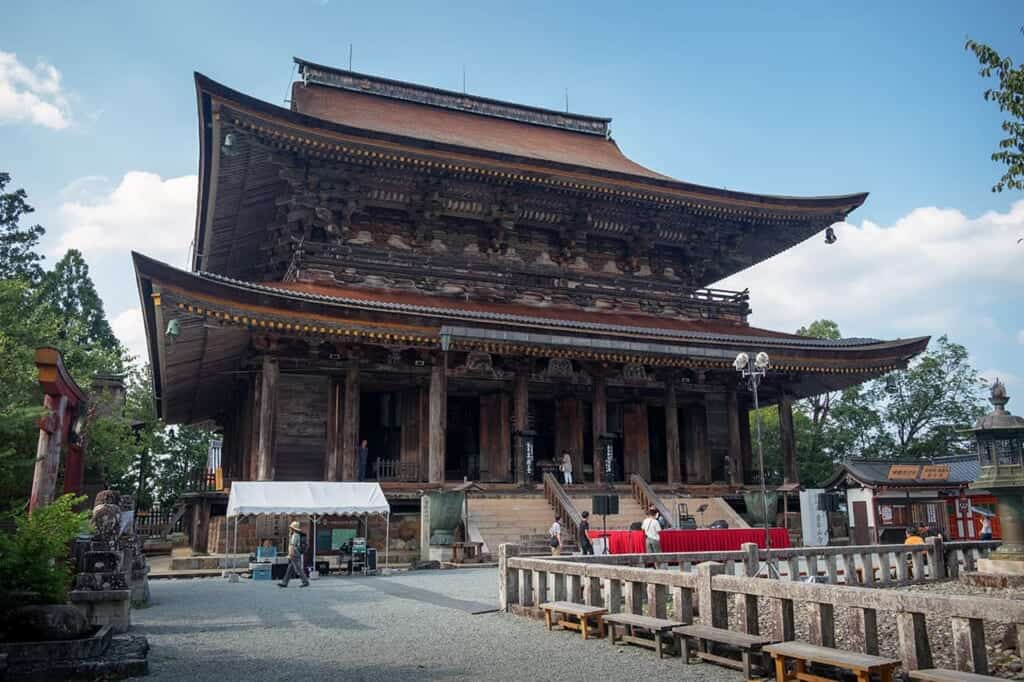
[[405, 626]]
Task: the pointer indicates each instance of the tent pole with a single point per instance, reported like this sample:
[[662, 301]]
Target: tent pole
[[314, 545], [387, 537], [235, 550]]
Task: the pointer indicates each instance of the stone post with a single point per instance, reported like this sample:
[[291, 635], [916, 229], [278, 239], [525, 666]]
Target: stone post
[[714, 605], [508, 580], [936, 557]]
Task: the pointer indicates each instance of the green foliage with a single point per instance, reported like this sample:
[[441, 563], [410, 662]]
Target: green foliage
[[916, 413], [59, 308], [35, 558], [1009, 95], [178, 451], [18, 257]]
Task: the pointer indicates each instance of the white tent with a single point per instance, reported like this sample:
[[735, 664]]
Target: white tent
[[315, 498]]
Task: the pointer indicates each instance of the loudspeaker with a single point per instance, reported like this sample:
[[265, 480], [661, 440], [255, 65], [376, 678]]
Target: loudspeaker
[[602, 505]]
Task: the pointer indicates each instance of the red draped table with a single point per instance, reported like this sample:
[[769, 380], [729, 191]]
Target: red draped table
[[707, 540]]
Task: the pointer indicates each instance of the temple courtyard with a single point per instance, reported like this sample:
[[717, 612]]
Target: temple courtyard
[[432, 625]]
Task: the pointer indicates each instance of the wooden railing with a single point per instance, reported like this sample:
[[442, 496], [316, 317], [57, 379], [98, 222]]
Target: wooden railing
[[396, 470], [201, 481], [562, 503], [646, 497], [525, 582], [160, 522]]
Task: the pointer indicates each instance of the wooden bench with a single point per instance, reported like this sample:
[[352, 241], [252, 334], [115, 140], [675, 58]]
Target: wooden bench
[[658, 627], [746, 644], [862, 665], [943, 675], [583, 613]]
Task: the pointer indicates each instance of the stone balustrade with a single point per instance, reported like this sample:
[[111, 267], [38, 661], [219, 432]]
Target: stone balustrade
[[706, 582]]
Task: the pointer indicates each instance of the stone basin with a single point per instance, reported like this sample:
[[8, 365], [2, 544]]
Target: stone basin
[[59, 650]]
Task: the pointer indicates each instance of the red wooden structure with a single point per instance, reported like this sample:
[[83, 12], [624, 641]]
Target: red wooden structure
[[64, 402]]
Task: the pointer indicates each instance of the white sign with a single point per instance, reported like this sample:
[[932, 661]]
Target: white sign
[[886, 512]]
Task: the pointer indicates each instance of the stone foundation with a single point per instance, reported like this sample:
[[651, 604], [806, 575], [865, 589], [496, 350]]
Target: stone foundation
[[105, 607], [993, 580], [99, 656]]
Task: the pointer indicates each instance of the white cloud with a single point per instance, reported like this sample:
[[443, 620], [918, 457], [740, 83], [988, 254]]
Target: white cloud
[[128, 328], [933, 271], [32, 95], [143, 213]]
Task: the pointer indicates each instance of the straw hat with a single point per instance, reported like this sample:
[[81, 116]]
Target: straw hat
[[294, 525]]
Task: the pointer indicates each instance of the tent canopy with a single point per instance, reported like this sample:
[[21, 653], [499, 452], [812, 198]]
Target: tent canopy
[[306, 497]]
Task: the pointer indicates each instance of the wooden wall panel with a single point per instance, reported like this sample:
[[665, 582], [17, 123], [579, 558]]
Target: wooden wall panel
[[495, 437], [636, 445], [409, 411], [301, 427], [569, 433], [718, 434]]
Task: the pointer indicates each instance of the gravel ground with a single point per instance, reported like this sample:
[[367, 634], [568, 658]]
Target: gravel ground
[[404, 626]]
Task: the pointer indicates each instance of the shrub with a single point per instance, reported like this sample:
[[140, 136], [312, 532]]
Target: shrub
[[35, 558]]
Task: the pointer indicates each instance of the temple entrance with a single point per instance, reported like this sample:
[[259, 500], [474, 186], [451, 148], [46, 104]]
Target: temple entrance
[[656, 439], [462, 441], [542, 421], [380, 424]]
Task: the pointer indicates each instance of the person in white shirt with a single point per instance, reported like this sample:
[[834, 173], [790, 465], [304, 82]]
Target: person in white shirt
[[986, 529], [555, 537], [652, 532], [567, 467]]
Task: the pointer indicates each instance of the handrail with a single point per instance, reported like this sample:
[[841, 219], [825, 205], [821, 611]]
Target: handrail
[[556, 496], [646, 497]]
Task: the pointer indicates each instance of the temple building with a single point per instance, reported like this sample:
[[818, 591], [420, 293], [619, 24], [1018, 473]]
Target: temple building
[[440, 273]]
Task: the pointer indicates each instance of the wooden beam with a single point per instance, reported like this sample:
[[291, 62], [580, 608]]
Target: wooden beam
[[637, 446], [672, 450], [569, 432], [255, 397], [350, 425], [268, 408], [438, 418], [787, 441]]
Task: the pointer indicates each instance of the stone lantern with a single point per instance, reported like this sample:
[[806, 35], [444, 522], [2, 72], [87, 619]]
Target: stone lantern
[[999, 436]]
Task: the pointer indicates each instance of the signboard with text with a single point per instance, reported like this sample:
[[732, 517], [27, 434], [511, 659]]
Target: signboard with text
[[903, 472]]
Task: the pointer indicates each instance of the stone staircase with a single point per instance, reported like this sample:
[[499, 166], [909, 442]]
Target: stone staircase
[[520, 519]]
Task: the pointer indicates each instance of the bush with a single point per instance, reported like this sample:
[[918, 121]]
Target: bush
[[35, 558]]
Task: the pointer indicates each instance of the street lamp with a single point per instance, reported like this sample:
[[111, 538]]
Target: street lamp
[[753, 370]]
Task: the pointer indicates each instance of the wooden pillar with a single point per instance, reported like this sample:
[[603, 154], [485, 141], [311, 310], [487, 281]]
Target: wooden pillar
[[268, 407], [569, 432], [672, 451], [637, 447], [350, 425], [746, 445], [424, 430], [438, 418], [735, 472], [599, 412], [409, 411], [698, 463], [255, 395], [787, 441], [522, 406], [333, 459]]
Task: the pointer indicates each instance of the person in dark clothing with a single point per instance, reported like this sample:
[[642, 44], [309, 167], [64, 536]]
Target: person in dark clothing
[[362, 454], [585, 545]]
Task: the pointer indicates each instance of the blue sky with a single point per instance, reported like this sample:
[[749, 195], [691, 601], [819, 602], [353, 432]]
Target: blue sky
[[801, 98]]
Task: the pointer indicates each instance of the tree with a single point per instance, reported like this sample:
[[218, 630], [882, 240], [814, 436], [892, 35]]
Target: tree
[[925, 408], [18, 257], [179, 451], [68, 290], [1009, 95]]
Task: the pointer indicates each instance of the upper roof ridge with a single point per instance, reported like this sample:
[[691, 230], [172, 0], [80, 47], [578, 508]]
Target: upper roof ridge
[[343, 79]]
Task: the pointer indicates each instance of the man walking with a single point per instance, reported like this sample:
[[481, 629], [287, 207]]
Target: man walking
[[555, 536], [362, 454], [296, 549]]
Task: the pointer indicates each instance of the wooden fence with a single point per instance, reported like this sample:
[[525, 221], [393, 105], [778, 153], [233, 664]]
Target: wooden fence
[[396, 470], [159, 522], [620, 585]]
